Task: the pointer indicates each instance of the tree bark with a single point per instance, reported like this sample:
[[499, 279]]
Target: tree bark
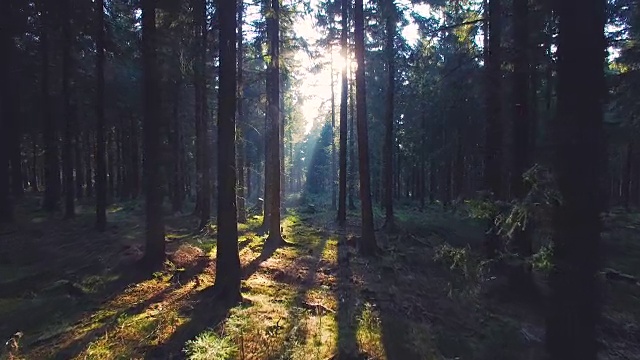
[[6, 47], [242, 211], [493, 125], [101, 165], [521, 276], [575, 301], [135, 158], [368, 240], [228, 263], [387, 154], [342, 196], [273, 132], [155, 245], [626, 178], [351, 184], [202, 132], [177, 198], [49, 136], [333, 133], [67, 153]]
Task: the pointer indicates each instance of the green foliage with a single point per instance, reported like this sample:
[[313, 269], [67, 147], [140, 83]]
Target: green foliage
[[210, 346], [481, 209], [542, 259], [470, 271]]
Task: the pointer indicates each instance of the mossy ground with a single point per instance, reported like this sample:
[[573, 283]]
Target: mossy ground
[[317, 299]]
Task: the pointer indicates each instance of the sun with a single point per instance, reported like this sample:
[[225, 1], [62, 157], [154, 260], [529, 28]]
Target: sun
[[315, 86]]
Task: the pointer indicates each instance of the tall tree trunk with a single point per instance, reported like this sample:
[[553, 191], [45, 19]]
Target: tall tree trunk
[[101, 164], [575, 301], [198, 87], [178, 177], [80, 170], [67, 153], [201, 111], [242, 211], [521, 276], [333, 134], [282, 125], [49, 136], [273, 131], [111, 162], [227, 286], [368, 241], [6, 48], [135, 158], [626, 178], [387, 154], [342, 198], [351, 183], [15, 131], [458, 176], [493, 61], [155, 245], [34, 162], [493, 126], [248, 180], [88, 174]]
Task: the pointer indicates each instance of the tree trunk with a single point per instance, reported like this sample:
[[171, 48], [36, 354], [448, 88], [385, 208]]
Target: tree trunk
[[67, 153], [352, 147], [333, 134], [155, 245], [88, 174], [626, 178], [521, 276], [342, 198], [15, 132], [228, 263], [135, 158], [493, 137], [6, 48], [242, 211], [110, 166], [177, 198], [368, 241], [49, 136], [273, 131], [458, 176], [80, 170], [201, 115], [493, 126], [575, 301], [387, 154], [101, 164]]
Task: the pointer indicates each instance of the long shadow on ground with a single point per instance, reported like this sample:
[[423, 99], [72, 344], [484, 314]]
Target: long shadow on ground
[[128, 277], [347, 306], [307, 283], [206, 313]]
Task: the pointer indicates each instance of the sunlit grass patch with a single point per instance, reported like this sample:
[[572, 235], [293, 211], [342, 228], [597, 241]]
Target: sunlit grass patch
[[330, 251], [210, 346], [321, 337], [132, 333], [369, 332]]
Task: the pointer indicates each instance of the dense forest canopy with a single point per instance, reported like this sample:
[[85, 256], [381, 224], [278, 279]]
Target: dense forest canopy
[[417, 173]]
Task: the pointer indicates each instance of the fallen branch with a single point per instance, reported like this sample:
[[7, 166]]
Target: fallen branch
[[611, 274], [317, 308]]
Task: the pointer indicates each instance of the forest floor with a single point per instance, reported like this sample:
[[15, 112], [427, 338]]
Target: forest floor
[[73, 293]]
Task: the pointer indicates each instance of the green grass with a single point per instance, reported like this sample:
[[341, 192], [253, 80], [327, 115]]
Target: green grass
[[422, 299]]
